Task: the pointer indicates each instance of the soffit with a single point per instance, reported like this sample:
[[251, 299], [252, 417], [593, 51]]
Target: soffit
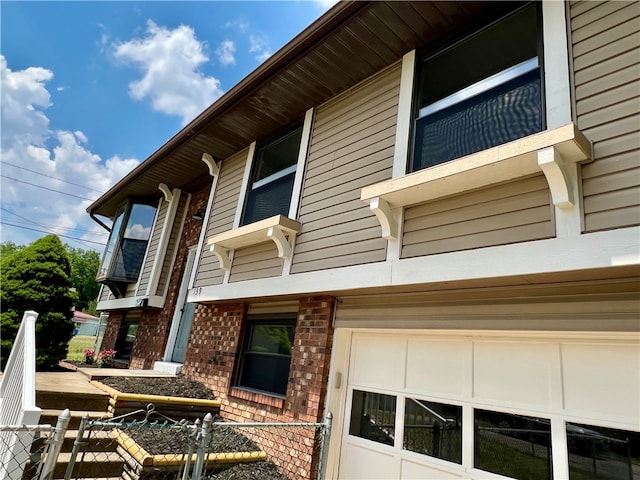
[[348, 44]]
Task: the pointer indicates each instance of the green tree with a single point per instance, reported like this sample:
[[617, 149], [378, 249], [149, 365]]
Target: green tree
[[84, 268], [8, 248], [37, 278]]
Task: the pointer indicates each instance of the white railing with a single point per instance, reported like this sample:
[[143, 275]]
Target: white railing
[[18, 397]]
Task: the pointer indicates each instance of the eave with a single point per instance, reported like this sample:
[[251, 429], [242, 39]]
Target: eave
[[349, 43]]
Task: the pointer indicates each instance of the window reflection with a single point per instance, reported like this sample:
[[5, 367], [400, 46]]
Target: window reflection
[[373, 416], [433, 429], [515, 446], [598, 453]]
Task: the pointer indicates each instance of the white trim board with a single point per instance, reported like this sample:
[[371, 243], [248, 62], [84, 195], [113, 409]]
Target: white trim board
[[588, 251]]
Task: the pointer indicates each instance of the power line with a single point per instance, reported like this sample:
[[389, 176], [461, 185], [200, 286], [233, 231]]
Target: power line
[[69, 229], [50, 176], [47, 188], [45, 231]]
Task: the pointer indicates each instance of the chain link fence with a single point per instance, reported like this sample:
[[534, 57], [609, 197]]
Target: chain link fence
[[153, 446]]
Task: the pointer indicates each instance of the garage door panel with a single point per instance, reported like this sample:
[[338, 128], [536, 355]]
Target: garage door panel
[[514, 372], [439, 367], [377, 361], [602, 380], [361, 463], [415, 471]]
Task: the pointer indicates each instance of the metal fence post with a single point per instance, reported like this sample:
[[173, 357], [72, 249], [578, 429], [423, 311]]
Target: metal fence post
[[324, 445], [76, 446], [193, 438], [55, 445], [202, 451]]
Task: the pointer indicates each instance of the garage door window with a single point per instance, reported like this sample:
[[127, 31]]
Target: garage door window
[[373, 416], [433, 429], [513, 445], [598, 453]]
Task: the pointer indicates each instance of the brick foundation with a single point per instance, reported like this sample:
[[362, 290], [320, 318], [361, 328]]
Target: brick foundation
[[216, 334]]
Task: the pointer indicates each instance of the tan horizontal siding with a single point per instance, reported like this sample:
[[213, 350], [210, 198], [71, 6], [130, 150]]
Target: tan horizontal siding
[[351, 146], [606, 62], [172, 246], [257, 261], [222, 216], [152, 248], [105, 293], [509, 213]]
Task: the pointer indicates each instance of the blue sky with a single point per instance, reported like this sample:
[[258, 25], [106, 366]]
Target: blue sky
[[90, 89]]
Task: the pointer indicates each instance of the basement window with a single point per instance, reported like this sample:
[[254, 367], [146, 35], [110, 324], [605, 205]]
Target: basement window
[[265, 358], [127, 245]]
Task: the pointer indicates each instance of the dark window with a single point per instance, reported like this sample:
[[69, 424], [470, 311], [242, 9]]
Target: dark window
[[598, 453], [126, 338], [127, 243], [373, 416], [271, 185], [266, 355], [483, 91], [433, 429], [513, 445]]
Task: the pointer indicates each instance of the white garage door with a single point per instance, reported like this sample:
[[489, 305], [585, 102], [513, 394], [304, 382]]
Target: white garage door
[[437, 407]]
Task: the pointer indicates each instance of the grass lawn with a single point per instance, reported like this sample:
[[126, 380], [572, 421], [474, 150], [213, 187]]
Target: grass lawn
[[77, 345]]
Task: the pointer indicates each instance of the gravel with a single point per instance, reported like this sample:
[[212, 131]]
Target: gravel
[[248, 471]]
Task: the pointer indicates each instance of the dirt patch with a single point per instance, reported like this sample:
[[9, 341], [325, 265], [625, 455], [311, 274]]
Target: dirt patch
[[178, 386]]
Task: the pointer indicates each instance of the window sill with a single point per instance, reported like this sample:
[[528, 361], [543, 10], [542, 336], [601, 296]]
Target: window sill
[[276, 228], [545, 152], [257, 397]]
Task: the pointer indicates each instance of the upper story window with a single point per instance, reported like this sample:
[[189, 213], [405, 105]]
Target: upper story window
[[272, 178], [482, 91], [127, 244]]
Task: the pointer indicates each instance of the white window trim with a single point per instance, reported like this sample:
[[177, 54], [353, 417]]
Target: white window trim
[[236, 237], [558, 110], [163, 243], [214, 171]]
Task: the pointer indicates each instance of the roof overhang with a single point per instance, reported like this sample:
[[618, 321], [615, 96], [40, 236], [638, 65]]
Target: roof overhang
[[349, 43]]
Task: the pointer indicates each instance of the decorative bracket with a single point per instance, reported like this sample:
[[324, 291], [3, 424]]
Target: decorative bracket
[[166, 191], [387, 219], [214, 168], [554, 168], [223, 256], [284, 247]]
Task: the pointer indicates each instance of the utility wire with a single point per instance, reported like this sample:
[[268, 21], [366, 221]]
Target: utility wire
[[54, 233], [50, 176], [47, 188], [69, 229]]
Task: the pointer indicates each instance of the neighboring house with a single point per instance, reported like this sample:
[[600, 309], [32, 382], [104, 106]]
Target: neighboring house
[[422, 217], [85, 324]]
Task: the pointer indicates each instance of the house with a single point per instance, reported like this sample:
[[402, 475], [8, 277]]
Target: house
[[423, 217], [85, 324]]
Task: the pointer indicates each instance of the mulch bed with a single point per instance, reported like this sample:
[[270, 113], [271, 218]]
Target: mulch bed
[[178, 386], [248, 471], [165, 441]]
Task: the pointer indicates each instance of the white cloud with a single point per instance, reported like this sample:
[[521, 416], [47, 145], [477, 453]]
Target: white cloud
[[226, 53], [56, 161], [239, 25], [326, 4], [259, 46], [169, 62]]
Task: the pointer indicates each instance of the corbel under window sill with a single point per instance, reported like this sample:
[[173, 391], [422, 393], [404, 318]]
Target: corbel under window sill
[[279, 229], [548, 152]]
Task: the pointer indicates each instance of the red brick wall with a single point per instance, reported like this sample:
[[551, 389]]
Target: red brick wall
[[216, 334], [153, 329], [111, 331]]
